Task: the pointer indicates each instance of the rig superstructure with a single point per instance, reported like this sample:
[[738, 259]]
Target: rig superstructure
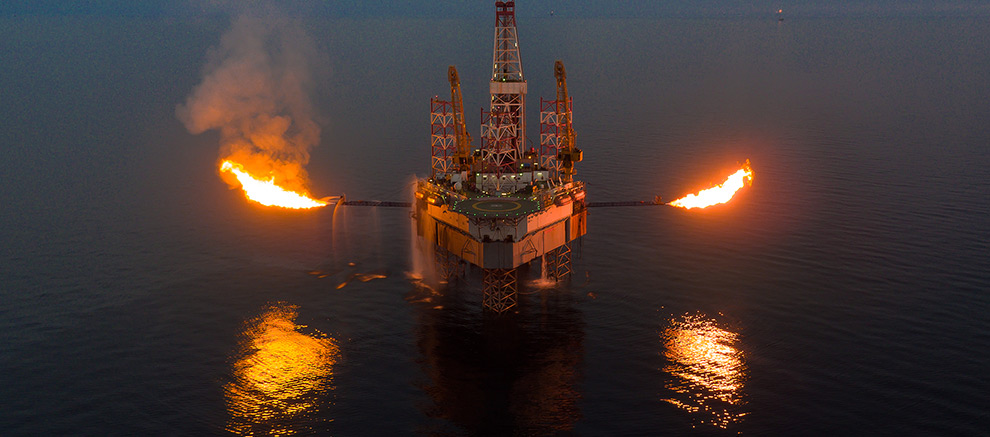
[[504, 204]]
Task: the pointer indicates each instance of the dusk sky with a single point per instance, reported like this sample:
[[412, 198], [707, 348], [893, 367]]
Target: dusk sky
[[440, 8]]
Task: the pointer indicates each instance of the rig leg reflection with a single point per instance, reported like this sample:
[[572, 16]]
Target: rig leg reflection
[[514, 374]]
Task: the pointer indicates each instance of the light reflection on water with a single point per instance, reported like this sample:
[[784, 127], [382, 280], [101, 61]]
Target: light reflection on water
[[708, 370], [280, 377]]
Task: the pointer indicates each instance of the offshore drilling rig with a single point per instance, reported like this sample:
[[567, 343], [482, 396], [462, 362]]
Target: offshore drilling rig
[[503, 204]]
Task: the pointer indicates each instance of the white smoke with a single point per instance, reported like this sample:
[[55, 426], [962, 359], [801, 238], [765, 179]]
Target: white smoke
[[255, 91]]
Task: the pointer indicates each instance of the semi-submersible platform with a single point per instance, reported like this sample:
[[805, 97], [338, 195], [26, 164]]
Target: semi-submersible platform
[[503, 204]]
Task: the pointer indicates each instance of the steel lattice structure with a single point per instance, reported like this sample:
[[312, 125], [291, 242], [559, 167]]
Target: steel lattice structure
[[507, 63], [552, 124], [503, 128], [557, 263], [499, 134], [499, 289], [442, 137]]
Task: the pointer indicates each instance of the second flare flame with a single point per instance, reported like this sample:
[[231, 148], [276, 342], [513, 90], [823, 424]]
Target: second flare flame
[[721, 193]]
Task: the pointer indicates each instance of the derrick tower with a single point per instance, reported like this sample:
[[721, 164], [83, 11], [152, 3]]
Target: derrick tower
[[503, 127]]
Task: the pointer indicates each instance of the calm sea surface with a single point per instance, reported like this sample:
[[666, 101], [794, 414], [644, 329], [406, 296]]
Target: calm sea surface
[[846, 292]]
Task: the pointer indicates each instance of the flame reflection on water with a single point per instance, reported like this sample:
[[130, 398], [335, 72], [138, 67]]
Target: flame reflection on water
[[708, 370], [281, 377]]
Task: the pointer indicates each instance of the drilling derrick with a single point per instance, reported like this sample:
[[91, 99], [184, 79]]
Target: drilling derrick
[[502, 206], [503, 129]]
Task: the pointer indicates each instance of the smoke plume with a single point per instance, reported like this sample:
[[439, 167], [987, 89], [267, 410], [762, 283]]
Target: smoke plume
[[255, 93]]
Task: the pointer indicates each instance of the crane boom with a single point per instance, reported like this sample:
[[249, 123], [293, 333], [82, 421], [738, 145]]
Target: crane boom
[[462, 156], [568, 154]]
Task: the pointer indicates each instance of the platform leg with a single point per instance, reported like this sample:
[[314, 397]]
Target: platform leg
[[448, 265], [558, 263], [550, 265], [563, 262], [499, 289]]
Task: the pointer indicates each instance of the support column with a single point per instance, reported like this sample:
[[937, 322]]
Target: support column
[[449, 266], [499, 289], [558, 263]]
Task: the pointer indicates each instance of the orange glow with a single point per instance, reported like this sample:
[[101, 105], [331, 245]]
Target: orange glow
[[280, 377], [267, 192], [707, 367], [718, 194]]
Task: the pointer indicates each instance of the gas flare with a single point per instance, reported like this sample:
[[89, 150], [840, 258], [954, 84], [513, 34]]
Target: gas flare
[[266, 192], [718, 194], [255, 92]]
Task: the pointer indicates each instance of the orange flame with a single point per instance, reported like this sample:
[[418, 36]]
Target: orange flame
[[266, 192], [718, 194]]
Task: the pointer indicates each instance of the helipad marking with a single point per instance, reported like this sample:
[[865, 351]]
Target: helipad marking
[[497, 206]]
